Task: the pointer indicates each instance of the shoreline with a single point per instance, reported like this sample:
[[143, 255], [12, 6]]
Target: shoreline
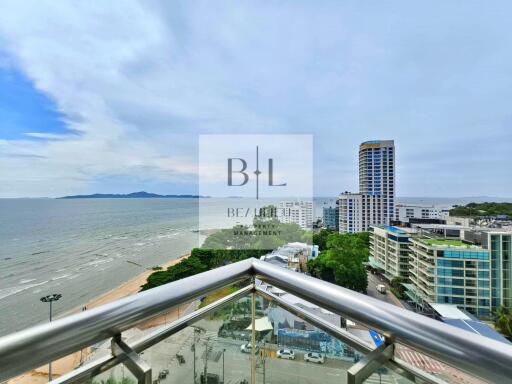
[[72, 361], [128, 288]]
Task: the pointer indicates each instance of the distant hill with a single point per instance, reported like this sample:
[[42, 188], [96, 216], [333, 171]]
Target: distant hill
[[133, 195], [482, 210]]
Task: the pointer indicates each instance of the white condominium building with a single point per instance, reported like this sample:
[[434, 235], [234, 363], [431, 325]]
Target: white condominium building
[[377, 179], [297, 212], [375, 202], [390, 252], [404, 212]]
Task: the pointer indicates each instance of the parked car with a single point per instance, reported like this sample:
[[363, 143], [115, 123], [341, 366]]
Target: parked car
[[247, 348], [314, 357], [286, 354]]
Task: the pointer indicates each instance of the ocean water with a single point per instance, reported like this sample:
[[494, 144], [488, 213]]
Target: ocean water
[[83, 248]]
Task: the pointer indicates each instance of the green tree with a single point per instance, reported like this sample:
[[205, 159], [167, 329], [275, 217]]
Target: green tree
[[503, 321], [397, 288], [342, 261], [320, 238]]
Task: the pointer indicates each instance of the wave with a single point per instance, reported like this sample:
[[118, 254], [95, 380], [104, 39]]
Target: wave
[[6, 292], [97, 262], [60, 277]]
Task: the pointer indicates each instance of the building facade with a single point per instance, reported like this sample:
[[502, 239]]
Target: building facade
[[331, 218], [451, 272], [297, 212], [350, 212], [390, 251], [473, 272], [375, 202], [377, 179], [405, 212]]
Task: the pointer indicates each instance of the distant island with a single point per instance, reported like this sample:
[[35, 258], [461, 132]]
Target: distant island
[[133, 195]]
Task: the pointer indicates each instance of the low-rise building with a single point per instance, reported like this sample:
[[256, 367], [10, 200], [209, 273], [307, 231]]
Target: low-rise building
[[443, 264], [405, 212], [451, 272], [293, 256], [390, 252]]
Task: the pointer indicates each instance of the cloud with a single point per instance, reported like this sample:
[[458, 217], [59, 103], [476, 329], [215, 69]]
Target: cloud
[[136, 82]]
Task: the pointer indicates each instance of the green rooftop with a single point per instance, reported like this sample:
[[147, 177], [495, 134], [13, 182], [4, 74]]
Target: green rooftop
[[449, 243]]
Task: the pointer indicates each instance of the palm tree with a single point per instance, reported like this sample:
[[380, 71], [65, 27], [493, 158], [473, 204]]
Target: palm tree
[[503, 321]]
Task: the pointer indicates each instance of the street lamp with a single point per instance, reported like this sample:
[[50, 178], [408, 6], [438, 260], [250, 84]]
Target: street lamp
[[50, 299], [223, 353]]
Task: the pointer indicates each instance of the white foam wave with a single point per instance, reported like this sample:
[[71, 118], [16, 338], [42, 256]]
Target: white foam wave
[[6, 292]]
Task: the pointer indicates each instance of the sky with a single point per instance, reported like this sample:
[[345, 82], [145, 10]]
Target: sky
[[112, 97]]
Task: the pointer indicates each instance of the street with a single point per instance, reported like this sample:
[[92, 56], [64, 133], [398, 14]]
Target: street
[[388, 297], [235, 366]]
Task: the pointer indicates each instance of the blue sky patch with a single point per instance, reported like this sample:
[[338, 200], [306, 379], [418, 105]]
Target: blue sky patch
[[23, 109]]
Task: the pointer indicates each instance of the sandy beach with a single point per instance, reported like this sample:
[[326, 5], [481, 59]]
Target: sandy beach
[[68, 363]]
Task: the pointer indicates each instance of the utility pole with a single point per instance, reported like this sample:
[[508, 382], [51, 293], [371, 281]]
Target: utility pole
[[196, 331], [223, 353], [205, 360]]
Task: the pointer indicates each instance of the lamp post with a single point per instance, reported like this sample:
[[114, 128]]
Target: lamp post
[[223, 353], [50, 299]]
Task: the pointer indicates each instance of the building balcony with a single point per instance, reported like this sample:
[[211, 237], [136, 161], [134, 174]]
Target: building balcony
[[240, 337]]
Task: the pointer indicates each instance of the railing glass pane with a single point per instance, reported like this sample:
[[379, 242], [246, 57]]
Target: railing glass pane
[[216, 347], [116, 375], [434, 367], [294, 351]]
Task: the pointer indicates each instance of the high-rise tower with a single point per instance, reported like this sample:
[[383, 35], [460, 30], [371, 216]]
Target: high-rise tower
[[377, 180], [375, 202]]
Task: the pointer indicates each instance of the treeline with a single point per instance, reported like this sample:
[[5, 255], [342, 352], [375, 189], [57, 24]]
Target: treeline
[[200, 260], [482, 209], [342, 259], [231, 245]]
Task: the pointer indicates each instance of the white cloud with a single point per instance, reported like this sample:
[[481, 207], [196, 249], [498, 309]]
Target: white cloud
[[137, 81]]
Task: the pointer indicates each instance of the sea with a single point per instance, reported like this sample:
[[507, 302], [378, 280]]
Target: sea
[[82, 248]]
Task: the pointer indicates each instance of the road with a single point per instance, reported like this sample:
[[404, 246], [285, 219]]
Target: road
[[388, 297], [237, 365]]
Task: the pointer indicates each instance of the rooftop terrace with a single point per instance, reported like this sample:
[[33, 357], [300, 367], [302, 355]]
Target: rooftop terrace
[[446, 243]]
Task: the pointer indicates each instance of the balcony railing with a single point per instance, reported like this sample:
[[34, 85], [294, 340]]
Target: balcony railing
[[475, 355]]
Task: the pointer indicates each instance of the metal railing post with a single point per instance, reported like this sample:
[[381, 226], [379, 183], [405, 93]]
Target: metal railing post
[[365, 367], [138, 367]]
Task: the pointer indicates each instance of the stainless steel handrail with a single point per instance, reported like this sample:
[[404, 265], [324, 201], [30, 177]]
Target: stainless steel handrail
[[481, 356], [400, 366], [33, 347], [478, 355], [103, 364]]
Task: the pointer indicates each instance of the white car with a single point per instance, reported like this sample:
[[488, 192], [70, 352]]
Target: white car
[[285, 354], [314, 357], [247, 348]]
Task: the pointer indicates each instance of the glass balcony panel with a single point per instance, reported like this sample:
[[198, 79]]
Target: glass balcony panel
[[115, 375], [217, 347], [385, 375], [295, 351], [434, 367]]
